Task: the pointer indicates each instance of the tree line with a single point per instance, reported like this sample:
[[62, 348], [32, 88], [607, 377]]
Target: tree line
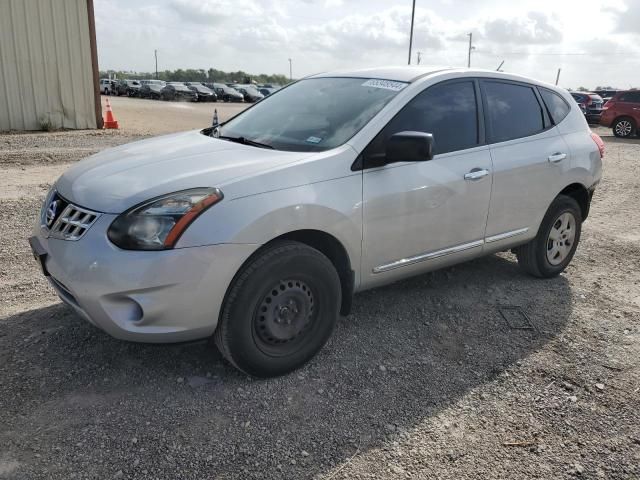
[[199, 75]]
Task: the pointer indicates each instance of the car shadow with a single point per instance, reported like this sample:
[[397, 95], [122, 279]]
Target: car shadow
[[406, 352]]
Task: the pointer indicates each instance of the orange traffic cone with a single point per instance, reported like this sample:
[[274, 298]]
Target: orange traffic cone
[[110, 122]]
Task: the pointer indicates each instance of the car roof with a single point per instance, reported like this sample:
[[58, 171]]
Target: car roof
[[400, 74], [412, 73]]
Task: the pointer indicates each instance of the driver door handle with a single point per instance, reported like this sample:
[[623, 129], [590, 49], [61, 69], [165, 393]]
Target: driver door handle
[[476, 174], [557, 157]]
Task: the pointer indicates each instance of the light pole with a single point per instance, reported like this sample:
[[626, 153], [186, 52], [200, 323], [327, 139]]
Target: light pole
[[471, 47], [419, 55], [290, 71], [155, 52], [413, 14]]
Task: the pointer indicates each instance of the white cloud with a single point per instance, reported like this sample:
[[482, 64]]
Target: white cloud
[[628, 21], [532, 29], [319, 35]]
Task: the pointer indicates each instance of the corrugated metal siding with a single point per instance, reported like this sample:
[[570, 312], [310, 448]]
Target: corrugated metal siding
[[46, 72]]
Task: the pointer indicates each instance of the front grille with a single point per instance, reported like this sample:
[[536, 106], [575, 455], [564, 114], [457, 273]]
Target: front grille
[[64, 220], [73, 223]]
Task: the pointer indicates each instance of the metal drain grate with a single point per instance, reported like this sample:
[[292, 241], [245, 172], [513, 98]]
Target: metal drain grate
[[515, 317]]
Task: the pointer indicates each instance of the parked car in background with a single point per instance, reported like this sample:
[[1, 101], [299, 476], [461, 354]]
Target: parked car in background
[[151, 89], [622, 113], [592, 103], [250, 92], [259, 231], [107, 86], [205, 94], [606, 94], [178, 91], [130, 88], [266, 91], [225, 93]]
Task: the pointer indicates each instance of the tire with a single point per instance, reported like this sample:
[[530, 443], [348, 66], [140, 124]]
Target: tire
[[280, 310], [549, 253], [226, 99], [624, 127]]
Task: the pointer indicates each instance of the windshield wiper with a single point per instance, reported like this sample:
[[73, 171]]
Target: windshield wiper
[[246, 141]]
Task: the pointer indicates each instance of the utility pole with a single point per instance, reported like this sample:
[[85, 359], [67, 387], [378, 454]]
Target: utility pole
[[413, 14], [419, 54], [470, 35], [290, 71], [558, 76], [155, 52], [500, 66]]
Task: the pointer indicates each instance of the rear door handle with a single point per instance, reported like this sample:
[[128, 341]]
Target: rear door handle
[[557, 157], [476, 174]]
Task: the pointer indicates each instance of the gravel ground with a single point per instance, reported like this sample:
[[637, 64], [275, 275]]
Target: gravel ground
[[143, 116], [424, 379]]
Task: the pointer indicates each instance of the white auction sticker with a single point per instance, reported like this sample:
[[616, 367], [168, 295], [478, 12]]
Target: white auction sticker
[[386, 84]]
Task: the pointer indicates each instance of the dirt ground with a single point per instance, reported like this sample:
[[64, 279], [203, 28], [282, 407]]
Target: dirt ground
[[142, 116], [424, 379]]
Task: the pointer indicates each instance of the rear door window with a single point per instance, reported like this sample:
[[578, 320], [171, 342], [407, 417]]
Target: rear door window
[[556, 105], [513, 111]]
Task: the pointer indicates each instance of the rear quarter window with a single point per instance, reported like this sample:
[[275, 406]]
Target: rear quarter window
[[513, 111], [557, 107]]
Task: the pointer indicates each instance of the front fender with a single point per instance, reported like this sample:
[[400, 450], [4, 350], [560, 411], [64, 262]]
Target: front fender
[[332, 206]]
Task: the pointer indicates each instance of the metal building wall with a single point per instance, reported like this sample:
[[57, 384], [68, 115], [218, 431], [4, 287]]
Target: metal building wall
[[46, 64]]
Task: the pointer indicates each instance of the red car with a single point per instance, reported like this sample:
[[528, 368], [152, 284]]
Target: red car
[[622, 113]]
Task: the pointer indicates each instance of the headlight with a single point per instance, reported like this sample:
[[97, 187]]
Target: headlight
[[158, 223]]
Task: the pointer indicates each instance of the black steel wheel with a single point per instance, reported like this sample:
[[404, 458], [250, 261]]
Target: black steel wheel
[[283, 316], [279, 310]]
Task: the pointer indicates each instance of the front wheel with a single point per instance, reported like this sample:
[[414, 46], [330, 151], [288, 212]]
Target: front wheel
[[549, 253], [624, 127], [280, 310]]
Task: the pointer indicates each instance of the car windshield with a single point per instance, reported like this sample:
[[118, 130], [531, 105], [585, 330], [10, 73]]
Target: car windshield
[[179, 86], [315, 114]]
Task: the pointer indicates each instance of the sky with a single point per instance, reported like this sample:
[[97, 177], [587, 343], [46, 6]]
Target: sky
[[594, 42]]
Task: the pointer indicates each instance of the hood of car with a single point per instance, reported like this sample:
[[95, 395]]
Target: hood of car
[[118, 178]]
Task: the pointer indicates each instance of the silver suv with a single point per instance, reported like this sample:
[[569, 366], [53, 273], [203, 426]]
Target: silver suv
[[260, 230]]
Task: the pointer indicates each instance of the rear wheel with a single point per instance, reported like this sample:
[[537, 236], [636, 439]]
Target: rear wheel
[[549, 253], [624, 127], [280, 310]]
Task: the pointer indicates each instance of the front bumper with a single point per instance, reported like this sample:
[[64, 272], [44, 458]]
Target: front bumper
[[162, 296]]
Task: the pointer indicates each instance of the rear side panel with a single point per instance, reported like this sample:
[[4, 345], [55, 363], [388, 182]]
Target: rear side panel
[[586, 165]]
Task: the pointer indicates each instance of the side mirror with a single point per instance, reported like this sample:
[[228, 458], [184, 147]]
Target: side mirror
[[409, 147]]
